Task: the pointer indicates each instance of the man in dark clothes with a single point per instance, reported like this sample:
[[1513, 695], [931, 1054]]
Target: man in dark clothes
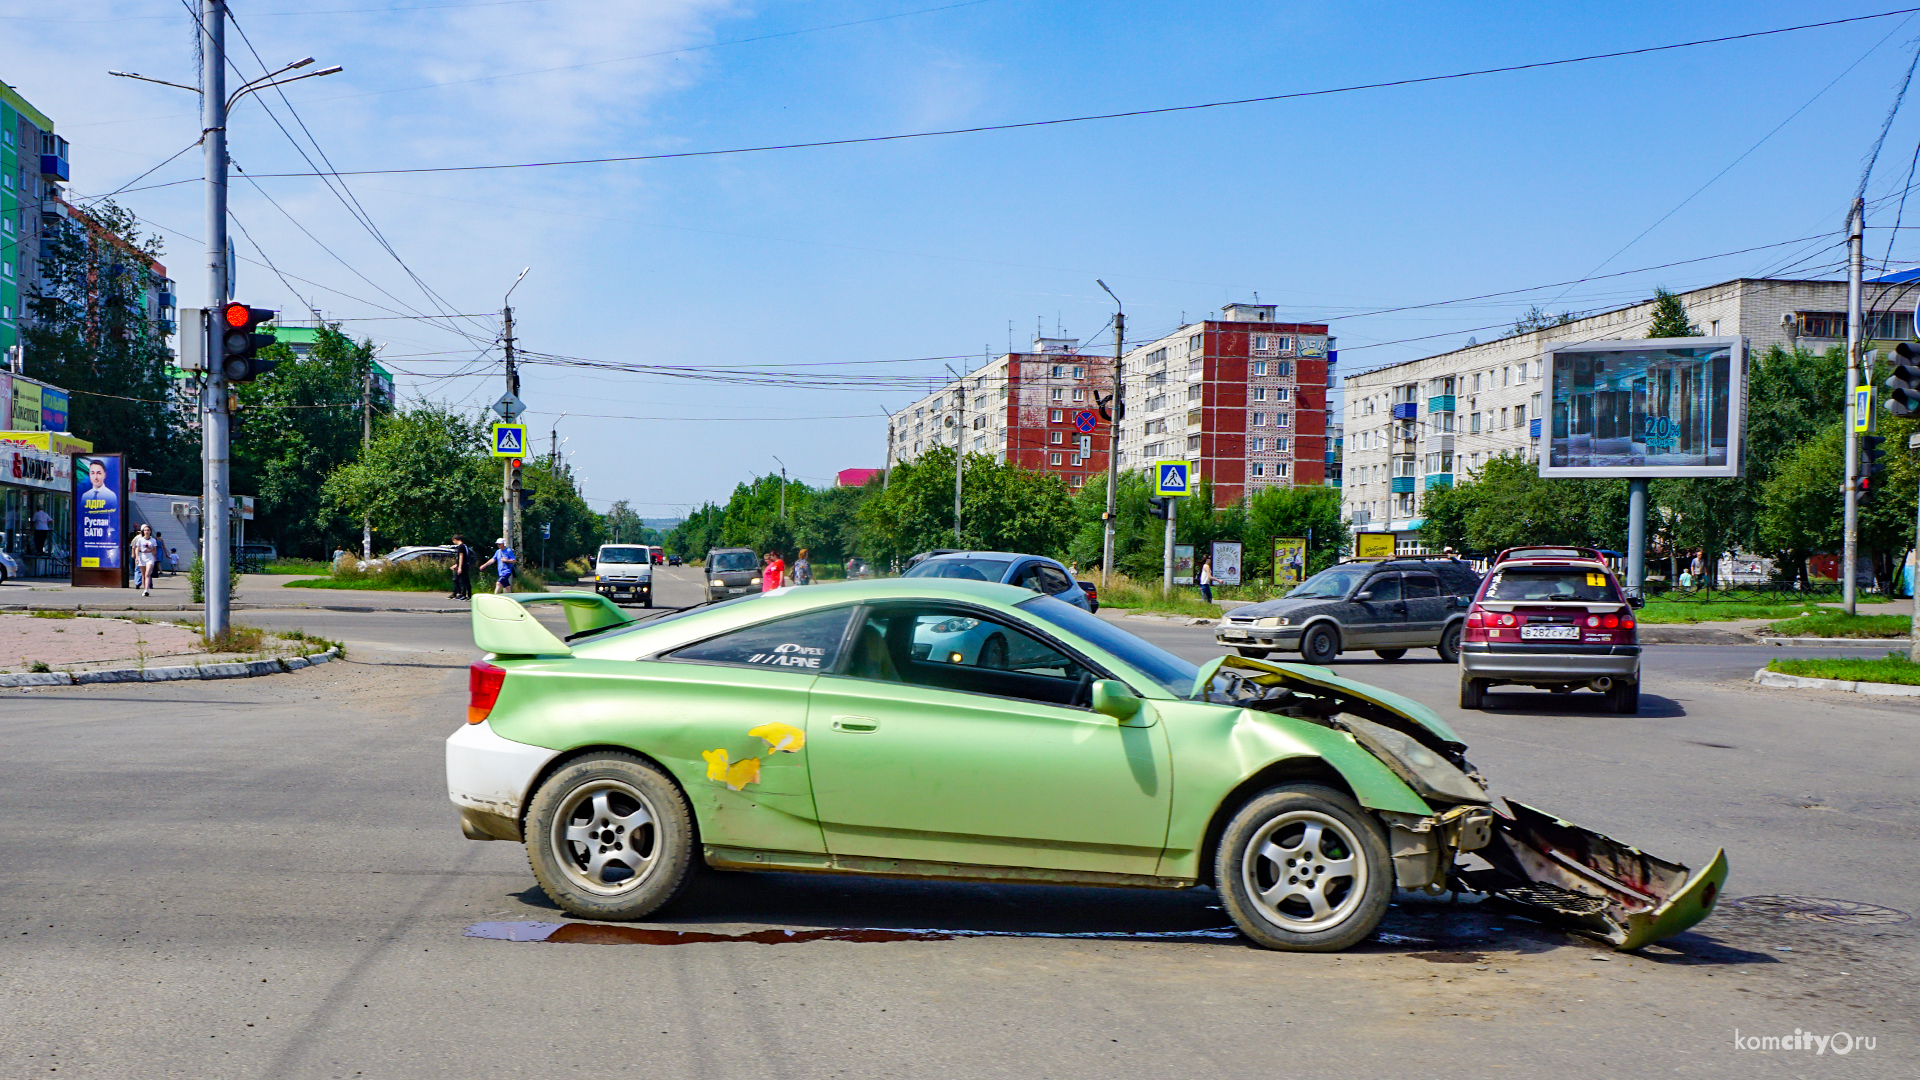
[[462, 569]]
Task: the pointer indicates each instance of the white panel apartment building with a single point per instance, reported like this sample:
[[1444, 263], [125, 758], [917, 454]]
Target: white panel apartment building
[[1416, 426]]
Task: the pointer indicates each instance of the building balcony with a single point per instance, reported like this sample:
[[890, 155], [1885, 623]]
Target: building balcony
[[1441, 403], [1403, 485], [1331, 481], [53, 165], [1406, 410], [1439, 480]]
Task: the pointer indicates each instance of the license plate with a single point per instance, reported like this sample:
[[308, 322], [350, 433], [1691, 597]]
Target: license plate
[[1233, 633], [1550, 633]]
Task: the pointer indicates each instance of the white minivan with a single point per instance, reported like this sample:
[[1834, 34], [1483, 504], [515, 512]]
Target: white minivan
[[624, 571]]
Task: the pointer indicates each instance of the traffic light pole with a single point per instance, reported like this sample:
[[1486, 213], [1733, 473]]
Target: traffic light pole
[[214, 419], [1850, 541], [509, 479]]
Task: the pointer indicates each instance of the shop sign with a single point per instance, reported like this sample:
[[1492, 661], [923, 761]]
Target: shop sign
[[28, 466]]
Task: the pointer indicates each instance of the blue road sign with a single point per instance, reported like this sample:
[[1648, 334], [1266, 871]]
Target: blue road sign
[[1084, 420], [509, 440], [1172, 478], [546, 530]]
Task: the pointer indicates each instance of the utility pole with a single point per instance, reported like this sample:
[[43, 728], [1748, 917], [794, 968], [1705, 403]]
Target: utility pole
[[509, 492], [886, 474], [959, 452], [1166, 569], [366, 439], [1850, 544], [1113, 450], [214, 418]]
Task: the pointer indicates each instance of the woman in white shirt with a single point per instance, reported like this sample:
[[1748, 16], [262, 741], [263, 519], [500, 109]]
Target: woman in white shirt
[[146, 556]]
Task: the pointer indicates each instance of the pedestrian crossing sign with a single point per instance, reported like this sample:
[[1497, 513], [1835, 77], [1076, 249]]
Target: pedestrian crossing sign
[[1172, 478], [509, 440]]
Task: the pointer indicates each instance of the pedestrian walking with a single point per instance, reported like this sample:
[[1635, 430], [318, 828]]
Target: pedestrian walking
[[146, 557], [772, 572], [462, 569], [802, 568], [502, 563], [1206, 580], [42, 530]]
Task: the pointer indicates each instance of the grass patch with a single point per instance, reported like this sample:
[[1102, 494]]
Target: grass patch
[[1663, 610], [297, 566], [414, 576], [235, 639], [318, 643], [1893, 669], [39, 667], [1124, 592], [56, 614], [1839, 624]]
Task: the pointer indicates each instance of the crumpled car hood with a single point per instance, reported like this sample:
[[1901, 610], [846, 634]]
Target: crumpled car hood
[[1419, 721]]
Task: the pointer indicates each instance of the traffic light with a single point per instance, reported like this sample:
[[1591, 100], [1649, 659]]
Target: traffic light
[[1157, 505], [240, 346], [1870, 463], [1903, 388]]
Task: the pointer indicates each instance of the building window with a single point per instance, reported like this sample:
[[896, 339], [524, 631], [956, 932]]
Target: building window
[[1196, 342], [1076, 461], [1157, 356], [980, 443], [1079, 394], [1473, 426], [1193, 393], [1283, 368], [1280, 444], [1258, 445], [1259, 367], [1519, 415], [1055, 438], [1281, 393], [1259, 469], [1079, 373], [1053, 459], [1058, 371], [1056, 416], [1079, 480], [1281, 419], [1057, 394], [1259, 393], [1259, 419], [1713, 328], [1503, 418], [1193, 444]]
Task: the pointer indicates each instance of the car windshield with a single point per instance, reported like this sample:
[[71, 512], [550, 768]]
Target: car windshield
[[967, 569], [1169, 671], [1549, 583], [1330, 584], [623, 554], [732, 560]]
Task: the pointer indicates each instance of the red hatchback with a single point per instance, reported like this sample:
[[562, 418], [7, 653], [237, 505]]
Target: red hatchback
[[1554, 624]]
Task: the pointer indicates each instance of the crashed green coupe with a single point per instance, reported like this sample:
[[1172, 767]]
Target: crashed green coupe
[[945, 729]]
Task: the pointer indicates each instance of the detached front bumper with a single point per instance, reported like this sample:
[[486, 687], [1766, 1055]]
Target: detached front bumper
[[1549, 662], [488, 778]]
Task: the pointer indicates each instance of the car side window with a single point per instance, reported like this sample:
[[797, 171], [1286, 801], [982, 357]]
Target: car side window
[[949, 649], [1385, 588], [809, 642], [1029, 577], [1052, 581], [1420, 586]]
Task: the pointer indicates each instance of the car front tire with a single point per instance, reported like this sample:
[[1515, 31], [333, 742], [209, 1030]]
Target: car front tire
[[610, 837], [1252, 654], [1320, 645], [1389, 654], [1449, 647], [1303, 868]]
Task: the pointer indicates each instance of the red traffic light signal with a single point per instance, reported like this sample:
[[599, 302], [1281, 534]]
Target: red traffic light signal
[[240, 345]]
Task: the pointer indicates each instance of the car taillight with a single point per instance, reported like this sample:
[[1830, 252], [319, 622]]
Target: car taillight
[[1476, 617], [1513, 619], [483, 689]]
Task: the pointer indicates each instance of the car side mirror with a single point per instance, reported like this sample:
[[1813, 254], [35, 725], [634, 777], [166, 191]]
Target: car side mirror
[[1365, 595], [1112, 698]]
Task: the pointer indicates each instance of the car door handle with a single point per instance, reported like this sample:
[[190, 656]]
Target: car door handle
[[855, 723]]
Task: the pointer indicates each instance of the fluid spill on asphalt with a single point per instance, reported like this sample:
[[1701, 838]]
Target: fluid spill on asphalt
[[603, 934]]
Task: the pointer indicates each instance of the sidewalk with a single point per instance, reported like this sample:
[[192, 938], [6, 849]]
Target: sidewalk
[[175, 594], [88, 643]]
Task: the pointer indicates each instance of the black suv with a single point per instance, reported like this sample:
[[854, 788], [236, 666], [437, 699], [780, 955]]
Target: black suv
[[1388, 606]]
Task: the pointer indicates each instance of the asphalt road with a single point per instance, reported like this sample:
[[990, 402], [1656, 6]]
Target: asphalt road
[[263, 878]]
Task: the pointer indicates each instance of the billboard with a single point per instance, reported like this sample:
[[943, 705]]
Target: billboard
[[1226, 563], [1653, 407], [1183, 564], [1289, 561], [99, 501], [53, 409], [1373, 545], [26, 405]]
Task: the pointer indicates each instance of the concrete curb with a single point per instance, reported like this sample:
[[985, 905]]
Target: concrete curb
[[246, 669], [1177, 620], [1849, 641], [1780, 681]]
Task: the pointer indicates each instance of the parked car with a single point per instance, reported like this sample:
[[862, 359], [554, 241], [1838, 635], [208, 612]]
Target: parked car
[[1554, 624], [925, 555], [807, 730], [1093, 594], [1388, 606], [434, 552], [1035, 572], [732, 572], [624, 570], [9, 567]]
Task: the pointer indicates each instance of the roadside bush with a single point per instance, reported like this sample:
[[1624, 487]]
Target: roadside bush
[[197, 576]]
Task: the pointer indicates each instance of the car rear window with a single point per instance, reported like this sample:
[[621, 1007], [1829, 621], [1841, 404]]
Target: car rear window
[[965, 569], [623, 554], [1551, 583]]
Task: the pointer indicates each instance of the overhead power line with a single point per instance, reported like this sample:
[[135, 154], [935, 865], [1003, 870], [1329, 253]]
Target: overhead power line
[[1295, 95]]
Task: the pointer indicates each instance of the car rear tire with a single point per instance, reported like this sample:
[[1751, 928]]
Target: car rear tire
[[1252, 654], [1624, 698], [610, 837], [1473, 693], [1320, 645], [1389, 654], [1303, 868], [1449, 647]]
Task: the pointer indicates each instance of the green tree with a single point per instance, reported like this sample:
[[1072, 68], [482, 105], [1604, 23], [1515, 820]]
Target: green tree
[[1312, 512], [623, 526], [1003, 507], [89, 331], [828, 524], [425, 476], [555, 501], [1670, 317], [1138, 537], [299, 422], [1508, 504]]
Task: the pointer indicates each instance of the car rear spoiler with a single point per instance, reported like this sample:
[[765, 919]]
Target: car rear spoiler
[[502, 625]]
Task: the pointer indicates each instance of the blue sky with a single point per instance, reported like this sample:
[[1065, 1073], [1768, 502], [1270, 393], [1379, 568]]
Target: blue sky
[[1329, 207]]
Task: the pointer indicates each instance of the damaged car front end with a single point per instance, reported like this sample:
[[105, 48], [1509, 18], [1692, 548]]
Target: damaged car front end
[[1551, 870]]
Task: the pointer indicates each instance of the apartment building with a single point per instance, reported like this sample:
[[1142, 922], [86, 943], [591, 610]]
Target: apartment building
[[1413, 427], [33, 165], [1037, 410], [1243, 397]]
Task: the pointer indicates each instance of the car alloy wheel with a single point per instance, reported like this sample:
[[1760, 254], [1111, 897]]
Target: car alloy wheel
[[1450, 644], [610, 837], [1305, 868], [1320, 645]]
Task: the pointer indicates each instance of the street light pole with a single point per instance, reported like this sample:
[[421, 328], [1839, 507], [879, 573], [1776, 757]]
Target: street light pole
[[1113, 437], [214, 430], [1850, 538], [783, 486]]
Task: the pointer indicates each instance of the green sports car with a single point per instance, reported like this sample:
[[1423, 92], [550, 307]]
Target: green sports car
[[945, 729]]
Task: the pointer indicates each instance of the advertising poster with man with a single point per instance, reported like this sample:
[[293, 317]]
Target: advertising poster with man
[[1289, 561], [99, 496]]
